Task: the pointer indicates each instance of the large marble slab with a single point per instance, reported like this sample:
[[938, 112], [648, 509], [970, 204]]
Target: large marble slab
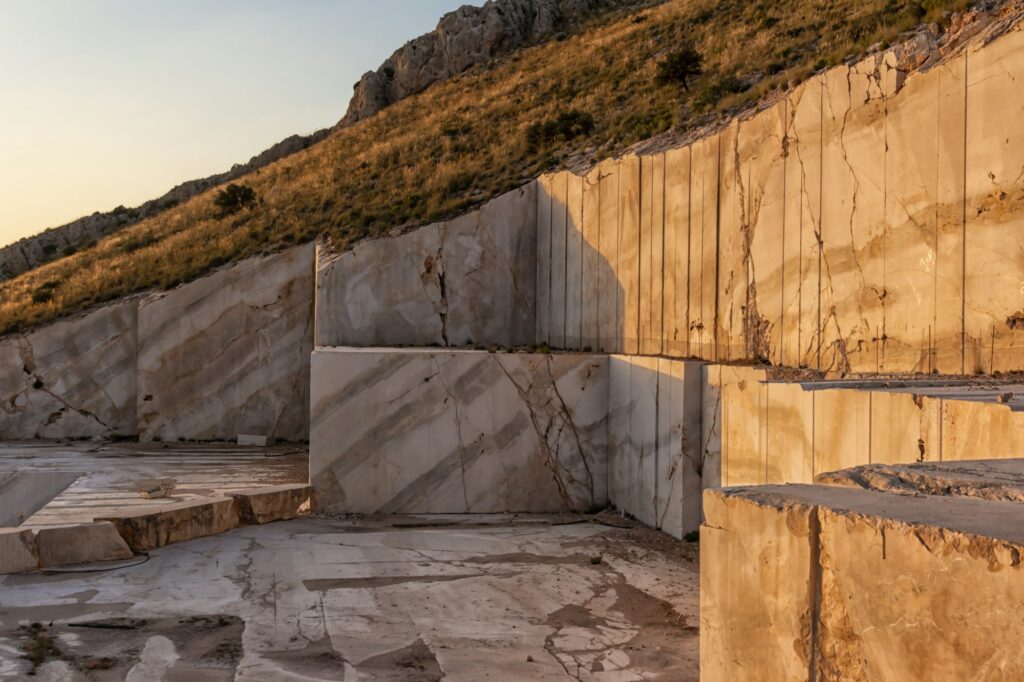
[[425, 431], [228, 354], [71, 379]]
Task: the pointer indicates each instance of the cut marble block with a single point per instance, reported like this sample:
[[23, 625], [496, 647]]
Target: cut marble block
[[637, 463], [972, 430], [842, 429], [763, 175], [756, 587], [544, 266], [574, 255], [609, 290], [994, 232], [853, 185], [628, 268], [733, 249], [676, 253], [489, 267], [789, 438], [229, 353], [71, 379], [593, 264], [84, 543], [23, 493], [800, 599], [559, 216], [17, 550], [741, 414], [652, 238], [905, 428], [149, 529], [703, 275], [678, 468], [989, 479], [425, 431]]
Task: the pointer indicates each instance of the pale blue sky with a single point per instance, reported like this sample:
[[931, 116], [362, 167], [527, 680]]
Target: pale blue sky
[[108, 102]]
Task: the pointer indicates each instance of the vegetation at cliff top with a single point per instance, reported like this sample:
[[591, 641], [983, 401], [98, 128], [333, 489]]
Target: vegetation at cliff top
[[464, 140]]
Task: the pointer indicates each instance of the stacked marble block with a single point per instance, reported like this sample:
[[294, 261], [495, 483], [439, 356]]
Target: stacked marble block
[[908, 573], [759, 430], [227, 354]]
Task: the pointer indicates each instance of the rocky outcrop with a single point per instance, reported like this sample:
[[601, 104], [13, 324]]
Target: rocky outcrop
[[468, 36], [31, 252]]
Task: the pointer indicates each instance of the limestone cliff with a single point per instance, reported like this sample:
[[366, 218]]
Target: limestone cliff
[[468, 36]]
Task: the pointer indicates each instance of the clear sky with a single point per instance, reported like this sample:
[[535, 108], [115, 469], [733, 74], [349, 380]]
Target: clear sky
[[111, 102]]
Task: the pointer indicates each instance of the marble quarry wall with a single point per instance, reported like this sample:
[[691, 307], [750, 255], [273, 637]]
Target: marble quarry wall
[[869, 221], [435, 431], [767, 432], [466, 281], [801, 600], [74, 378], [224, 355]]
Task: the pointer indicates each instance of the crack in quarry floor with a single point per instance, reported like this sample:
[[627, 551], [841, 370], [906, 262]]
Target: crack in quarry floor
[[410, 599]]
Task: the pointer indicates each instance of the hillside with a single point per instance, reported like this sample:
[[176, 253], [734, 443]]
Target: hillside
[[587, 96]]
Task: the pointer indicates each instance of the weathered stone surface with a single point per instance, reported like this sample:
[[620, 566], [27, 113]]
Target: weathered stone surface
[[84, 543], [559, 272], [470, 280], [229, 353], [609, 289], [17, 550], [544, 267], [593, 265], [172, 523], [703, 287], [676, 301], [992, 479], [679, 466], [633, 436], [756, 587], [971, 430], [273, 503], [71, 379], [421, 431], [574, 254], [801, 598]]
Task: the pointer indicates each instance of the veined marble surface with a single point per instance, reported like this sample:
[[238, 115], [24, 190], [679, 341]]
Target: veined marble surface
[[431, 431]]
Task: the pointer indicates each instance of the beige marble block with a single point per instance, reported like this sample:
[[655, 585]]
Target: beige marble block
[[679, 465], [559, 217], [789, 441], [703, 279], [676, 281], [71, 379], [743, 415], [842, 429], [802, 225], [973, 430], [593, 264], [628, 268], [733, 248], [763, 174], [994, 289], [655, 336], [543, 272], [756, 587], [853, 210], [905, 428], [228, 354], [641, 459], [574, 263], [609, 288]]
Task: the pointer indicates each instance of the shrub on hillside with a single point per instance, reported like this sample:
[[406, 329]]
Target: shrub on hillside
[[679, 67], [566, 126], [234, 198]]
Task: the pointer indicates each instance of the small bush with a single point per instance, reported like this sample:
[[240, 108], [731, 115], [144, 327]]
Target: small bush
[[710, 95], [234, 198], [679, 67], [566, 126], [44, 292]]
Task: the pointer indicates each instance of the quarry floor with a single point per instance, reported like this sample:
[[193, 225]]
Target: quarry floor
[[405, 599]]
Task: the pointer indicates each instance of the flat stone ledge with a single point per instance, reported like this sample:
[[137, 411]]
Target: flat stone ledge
[[17, 550], [989, 479], [84, 543], [274, 503], [172, 523]]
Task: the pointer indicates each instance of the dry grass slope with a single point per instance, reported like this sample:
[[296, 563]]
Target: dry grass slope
[[462, 141]]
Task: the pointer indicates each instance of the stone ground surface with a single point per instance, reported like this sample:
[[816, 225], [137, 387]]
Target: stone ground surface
[[113, 474], [410, 599]]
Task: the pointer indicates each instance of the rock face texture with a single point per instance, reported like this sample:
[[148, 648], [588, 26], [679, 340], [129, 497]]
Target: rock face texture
[[988, 479], [423, 431], [75, 377], [31, 252], [827, 231], [468, 280], [229, 353], [468, 36]]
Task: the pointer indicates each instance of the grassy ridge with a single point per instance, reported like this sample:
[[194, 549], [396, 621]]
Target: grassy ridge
[[462, 141]]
